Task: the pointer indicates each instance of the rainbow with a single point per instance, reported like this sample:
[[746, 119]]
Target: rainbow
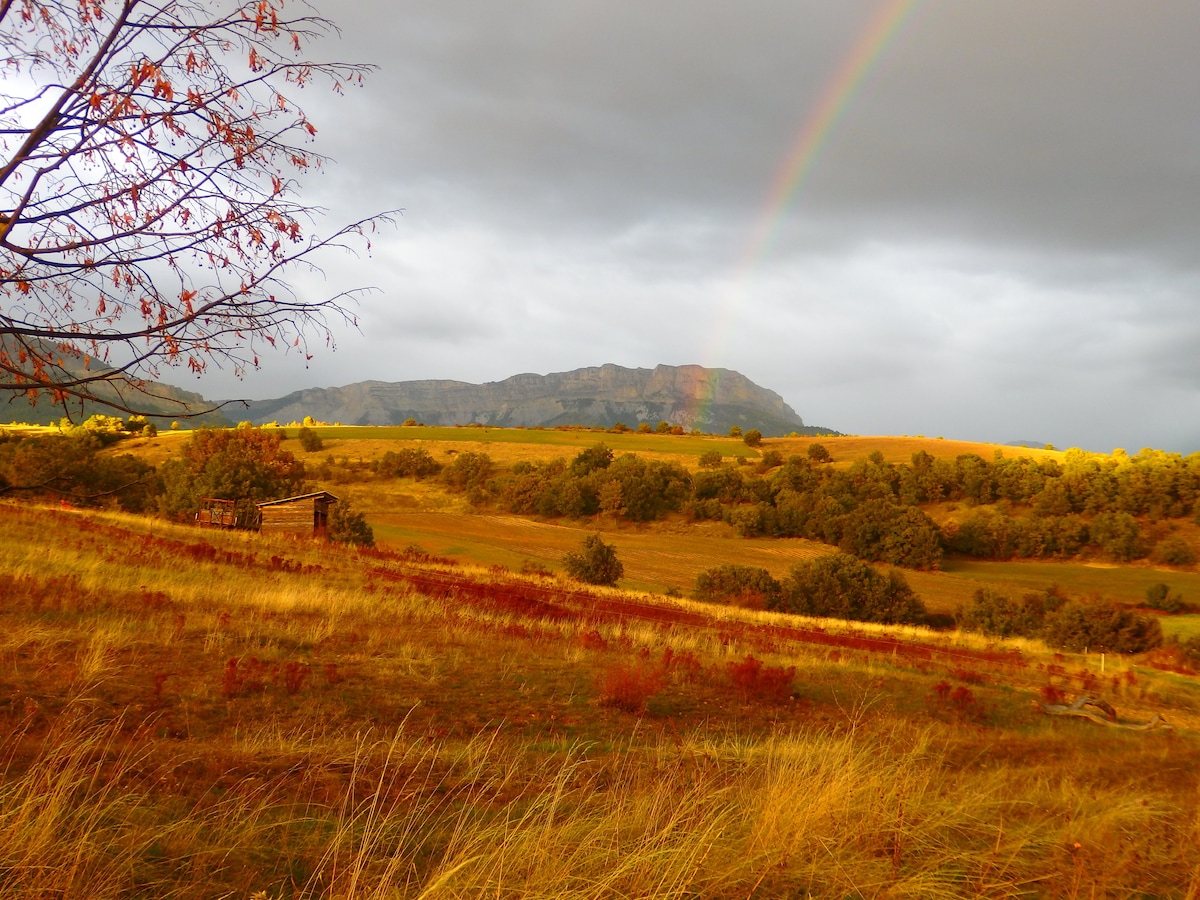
[[840, 88]]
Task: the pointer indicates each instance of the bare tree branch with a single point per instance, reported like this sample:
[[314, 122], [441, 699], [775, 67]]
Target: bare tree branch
[[149, 213]]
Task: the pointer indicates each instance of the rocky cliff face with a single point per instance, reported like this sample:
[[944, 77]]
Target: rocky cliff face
[[709, 400]]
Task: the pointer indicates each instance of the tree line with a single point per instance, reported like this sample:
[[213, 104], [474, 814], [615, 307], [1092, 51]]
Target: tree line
[[80, 466], [1118, 506]]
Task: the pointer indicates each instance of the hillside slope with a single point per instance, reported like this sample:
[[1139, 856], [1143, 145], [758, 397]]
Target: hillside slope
[[192, 713], [156, 400]]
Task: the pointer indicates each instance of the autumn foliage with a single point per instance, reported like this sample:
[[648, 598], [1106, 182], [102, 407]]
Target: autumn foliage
[[149, 212]]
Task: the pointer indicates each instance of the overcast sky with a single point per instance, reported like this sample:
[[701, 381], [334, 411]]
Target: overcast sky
[[997, 238]]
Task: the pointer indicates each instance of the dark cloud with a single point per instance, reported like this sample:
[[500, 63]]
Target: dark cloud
[[996, 240]]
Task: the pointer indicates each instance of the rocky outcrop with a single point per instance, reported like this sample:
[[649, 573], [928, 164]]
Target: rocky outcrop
[[695, 397]]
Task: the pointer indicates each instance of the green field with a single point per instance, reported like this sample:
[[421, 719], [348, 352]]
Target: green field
[[1126, 584], [568, 439]]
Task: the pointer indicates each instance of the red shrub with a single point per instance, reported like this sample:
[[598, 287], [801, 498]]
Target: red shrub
[[754, 680], [962, 697], [629, 687], [685, 664], [294, 676], [244, 677]]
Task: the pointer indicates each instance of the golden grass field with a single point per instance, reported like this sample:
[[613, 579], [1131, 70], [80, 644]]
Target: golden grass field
[[195, 714], [190, 713]]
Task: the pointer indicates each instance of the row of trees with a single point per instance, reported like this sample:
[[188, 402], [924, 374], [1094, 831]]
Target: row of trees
[[73, 469], [871, 509], [245, 464]]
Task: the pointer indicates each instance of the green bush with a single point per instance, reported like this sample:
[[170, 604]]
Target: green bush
[[74, 469], [407, 463], [843, 587], [1159, 596], [1100, 625], [596, 563], [710, 459], [348, 526], [469, 474], [1118, 535], [592, 460], [1173, 551], [753, 438], [991, 613], [770, 460], [742, 585], [310, 440]]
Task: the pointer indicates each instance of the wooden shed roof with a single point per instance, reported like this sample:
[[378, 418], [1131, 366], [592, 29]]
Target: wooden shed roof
[[316, 495]]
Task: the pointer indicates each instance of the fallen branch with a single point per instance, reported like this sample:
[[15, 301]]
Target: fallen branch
[[1102, 713]]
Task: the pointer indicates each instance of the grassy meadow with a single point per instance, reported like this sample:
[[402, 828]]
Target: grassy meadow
[[191, 713], [196, 714]]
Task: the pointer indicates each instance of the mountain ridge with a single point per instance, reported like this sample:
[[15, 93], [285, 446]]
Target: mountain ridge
[[695, 397]]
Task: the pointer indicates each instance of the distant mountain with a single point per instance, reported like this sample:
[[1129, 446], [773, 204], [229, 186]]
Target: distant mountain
[[160, 402], [710, 400]]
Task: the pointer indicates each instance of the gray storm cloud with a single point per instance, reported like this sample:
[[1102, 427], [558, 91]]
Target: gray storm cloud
[[996, 241]]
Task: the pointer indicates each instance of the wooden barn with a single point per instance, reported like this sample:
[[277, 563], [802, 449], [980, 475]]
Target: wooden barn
[[304, 516]]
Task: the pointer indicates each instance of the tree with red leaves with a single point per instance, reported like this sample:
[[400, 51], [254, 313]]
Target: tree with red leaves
[[149, 208]]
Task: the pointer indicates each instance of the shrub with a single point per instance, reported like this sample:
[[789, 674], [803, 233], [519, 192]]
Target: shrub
[[818, 453], [1118, 535], [770, 460], [1101, 625], [742, 585], [74, 469], [995, 614], [593, 459], [347, 526], [408, 462], [710, 459], [753, 680], [844, 587], [1159, 596], [469, 474], [310, 441], [596, 563], [629, 687], [753, 438], [1173, 551]]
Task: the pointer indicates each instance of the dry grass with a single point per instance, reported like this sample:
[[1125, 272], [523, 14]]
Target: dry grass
[[380, 739]]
